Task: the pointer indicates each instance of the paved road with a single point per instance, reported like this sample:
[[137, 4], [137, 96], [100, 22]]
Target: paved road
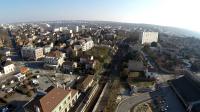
[[127, 104]]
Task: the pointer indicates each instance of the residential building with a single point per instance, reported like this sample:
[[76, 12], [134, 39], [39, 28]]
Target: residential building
[[24, 70], [69, 66], [32, 53], [19, 77], [47, 48], [8, 67], [86, 58], [151, 73], [1, 74], [70, 41], [56, 100], [148, 37], [82, 27], [54, 59], [87, 82], [5, 51], [56, 29], [77, 28], [86, 44], [71, 31], [1, 43], [77, 47], [90, 64]]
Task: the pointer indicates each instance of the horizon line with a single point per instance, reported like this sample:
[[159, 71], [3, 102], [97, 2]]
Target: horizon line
[[123, 22]]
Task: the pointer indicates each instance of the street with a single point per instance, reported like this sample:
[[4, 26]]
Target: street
[[127, 104]]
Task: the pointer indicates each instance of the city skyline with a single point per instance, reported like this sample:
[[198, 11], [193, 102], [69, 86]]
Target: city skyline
[[176, 13]]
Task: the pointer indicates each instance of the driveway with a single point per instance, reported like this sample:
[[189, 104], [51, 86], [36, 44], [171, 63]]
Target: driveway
[[127, 104]]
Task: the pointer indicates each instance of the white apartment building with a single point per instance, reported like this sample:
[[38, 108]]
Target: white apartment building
[[77, 28], [32, 53], [8, 67], [148, 37], [47, 48], [60, 29], [86, 44], [54, 59]]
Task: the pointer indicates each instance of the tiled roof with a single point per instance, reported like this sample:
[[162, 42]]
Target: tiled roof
[[87, 80], [53, 98], [56, 54], [69, 63], [48, 102], [23, 69]]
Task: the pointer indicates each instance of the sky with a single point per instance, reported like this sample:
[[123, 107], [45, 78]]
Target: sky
[[177, 13]]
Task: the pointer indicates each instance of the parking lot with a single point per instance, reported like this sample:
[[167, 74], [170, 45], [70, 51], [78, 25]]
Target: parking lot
[[44, 82], [171, 101]]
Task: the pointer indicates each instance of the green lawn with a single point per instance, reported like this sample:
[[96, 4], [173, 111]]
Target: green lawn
[[100, 53], [135, 74], [138, 82], [143, 84]]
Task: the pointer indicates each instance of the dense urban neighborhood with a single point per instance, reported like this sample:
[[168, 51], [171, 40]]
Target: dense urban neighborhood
[[83, 66]]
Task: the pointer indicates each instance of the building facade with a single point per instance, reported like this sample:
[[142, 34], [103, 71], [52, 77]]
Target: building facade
[[56, 100], [87, 82], [9, 68], [54, 59], [69, 66], [86, 44], [148, 37], [32, 53]]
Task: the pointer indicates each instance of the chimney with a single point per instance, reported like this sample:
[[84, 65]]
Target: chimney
[[64, 86]]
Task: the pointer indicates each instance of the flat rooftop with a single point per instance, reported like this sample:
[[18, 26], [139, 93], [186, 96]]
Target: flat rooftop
[[188, 90]]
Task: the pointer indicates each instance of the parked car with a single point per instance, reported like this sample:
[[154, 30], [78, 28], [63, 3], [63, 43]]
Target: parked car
[[9, 90]]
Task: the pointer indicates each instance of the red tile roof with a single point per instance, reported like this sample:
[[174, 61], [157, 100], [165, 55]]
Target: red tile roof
[[53, 98], [24, 70], [56, 54]]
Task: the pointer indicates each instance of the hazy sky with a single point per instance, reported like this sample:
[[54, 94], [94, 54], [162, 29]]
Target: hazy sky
[[179, 13]]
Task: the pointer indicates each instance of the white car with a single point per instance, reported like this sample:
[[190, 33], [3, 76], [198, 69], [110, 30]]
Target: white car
[[9, 90]]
